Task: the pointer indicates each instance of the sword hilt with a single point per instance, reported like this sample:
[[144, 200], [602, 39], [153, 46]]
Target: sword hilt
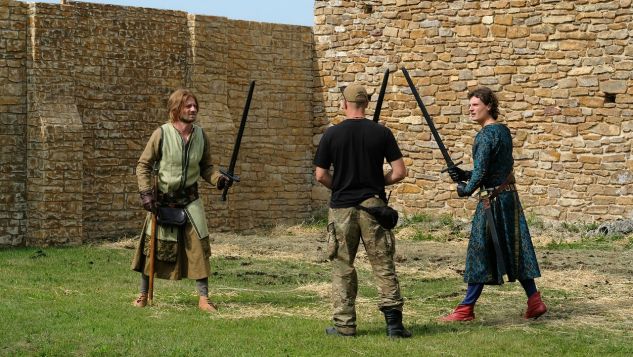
[[454, 165], [230, 175]]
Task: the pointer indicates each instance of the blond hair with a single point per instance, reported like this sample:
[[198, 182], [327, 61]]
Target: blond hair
[[177, 101]]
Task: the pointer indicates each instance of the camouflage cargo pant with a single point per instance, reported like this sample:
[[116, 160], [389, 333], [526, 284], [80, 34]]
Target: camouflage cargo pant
[[346, 228]]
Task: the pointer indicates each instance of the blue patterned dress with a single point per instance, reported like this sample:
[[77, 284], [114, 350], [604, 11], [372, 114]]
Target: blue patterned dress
[[492, 156]]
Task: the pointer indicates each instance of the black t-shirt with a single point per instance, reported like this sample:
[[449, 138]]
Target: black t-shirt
[[357, 149]]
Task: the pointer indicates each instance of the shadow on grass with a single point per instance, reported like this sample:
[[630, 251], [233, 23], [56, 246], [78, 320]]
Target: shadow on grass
[[417, 330]]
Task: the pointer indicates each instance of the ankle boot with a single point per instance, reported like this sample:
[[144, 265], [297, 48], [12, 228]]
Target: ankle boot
[[461, 313], [141, 300], [395, 329], [205, 305], [535, 306]]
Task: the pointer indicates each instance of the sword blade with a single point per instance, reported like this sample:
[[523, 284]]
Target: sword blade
[[381, 95], [429, 121], [230, 173]]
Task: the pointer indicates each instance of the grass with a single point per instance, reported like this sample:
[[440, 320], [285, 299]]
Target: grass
[[427, 227], [599, 242], [77, 302]]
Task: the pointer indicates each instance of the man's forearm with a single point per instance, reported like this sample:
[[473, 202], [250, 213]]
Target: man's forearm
[[390, 179], [324, 177]]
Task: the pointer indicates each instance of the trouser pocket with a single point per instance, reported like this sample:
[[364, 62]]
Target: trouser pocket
[[332, 242], [390, 242]]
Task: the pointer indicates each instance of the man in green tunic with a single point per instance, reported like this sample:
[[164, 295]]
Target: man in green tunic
[[492, 175], [357, 148], [180, 151]]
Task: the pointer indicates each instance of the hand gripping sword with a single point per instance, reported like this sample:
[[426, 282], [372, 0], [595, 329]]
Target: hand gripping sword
[[429, 122], [381, 95], [230, 173]]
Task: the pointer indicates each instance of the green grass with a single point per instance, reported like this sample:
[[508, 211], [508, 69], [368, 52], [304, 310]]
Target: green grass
[[77, 302], [599, 242], [535, 222], [428, 227]]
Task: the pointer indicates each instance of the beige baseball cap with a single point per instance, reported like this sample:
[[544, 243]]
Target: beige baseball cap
[[355, 93]]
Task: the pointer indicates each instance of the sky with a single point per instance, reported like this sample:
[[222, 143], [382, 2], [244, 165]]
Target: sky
[[295, 12]]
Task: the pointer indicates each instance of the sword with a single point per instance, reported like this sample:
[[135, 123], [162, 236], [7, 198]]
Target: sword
[[230, 173], [429, 122], [381, 95]]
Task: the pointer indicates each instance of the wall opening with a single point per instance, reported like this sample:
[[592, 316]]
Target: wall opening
[[609, 98]]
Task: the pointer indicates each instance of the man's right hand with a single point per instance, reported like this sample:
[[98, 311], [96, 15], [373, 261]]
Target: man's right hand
[[148, 201], [224, 181], [458, 174]]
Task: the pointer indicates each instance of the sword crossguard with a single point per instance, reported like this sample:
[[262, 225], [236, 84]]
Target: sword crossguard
[[231, 176], [454, 165]]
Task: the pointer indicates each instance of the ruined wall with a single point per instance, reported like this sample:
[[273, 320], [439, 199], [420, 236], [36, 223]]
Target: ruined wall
[[562, 70], [90, 85], [12, 123]]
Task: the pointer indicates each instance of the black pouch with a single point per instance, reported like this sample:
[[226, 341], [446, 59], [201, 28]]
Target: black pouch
[[386, 216], [171, 216]]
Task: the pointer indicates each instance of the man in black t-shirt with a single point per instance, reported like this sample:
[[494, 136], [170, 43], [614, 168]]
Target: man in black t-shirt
[[356, 149]]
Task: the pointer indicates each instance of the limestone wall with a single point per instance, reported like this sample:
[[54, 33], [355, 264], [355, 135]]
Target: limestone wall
[[84, 85], [12, 123], [89, 83], [562, 70]]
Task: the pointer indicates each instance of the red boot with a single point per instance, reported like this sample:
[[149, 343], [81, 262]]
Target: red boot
[[536, 307], [461, 313]]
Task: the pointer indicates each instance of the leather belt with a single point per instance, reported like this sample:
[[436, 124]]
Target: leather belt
[[179, 198]]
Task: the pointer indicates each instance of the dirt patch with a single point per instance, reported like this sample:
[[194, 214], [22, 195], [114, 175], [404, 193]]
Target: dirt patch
[[584, 286]]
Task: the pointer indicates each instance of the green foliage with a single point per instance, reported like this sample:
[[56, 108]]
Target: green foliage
[[318, 219], [416, 218], [578, 227], [534, 221], [423, 236], [599, 242]]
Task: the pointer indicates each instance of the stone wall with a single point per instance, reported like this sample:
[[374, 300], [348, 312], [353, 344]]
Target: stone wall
[[98, 78], [84, 85], [12, 123], [562, 70]]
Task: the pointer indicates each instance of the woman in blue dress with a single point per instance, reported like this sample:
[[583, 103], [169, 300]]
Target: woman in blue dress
[[508, 248]]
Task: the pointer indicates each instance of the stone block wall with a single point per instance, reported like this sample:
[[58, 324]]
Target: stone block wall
[[12, 123], [88, 83], [562, 70], [84, 85]]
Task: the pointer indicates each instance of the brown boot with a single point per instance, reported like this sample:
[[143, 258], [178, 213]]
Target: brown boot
[[205, 305], [461, 313], [536, 307], [141, 300]]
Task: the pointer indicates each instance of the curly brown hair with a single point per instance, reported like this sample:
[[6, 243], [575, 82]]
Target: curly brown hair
[[488, 97], [177, 100]]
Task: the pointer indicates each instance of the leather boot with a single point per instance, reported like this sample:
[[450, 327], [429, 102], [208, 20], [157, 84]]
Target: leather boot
[[395, 329], [141, 300], [205, 305], [461, 313], [535, 306], [346, 332]]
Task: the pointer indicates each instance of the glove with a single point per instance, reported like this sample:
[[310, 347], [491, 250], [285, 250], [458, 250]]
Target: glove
[[461, 189], [148, 201], [458, 174], [224, 181]]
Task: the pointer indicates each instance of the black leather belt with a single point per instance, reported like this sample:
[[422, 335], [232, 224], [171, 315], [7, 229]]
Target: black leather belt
[[179, 198]]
